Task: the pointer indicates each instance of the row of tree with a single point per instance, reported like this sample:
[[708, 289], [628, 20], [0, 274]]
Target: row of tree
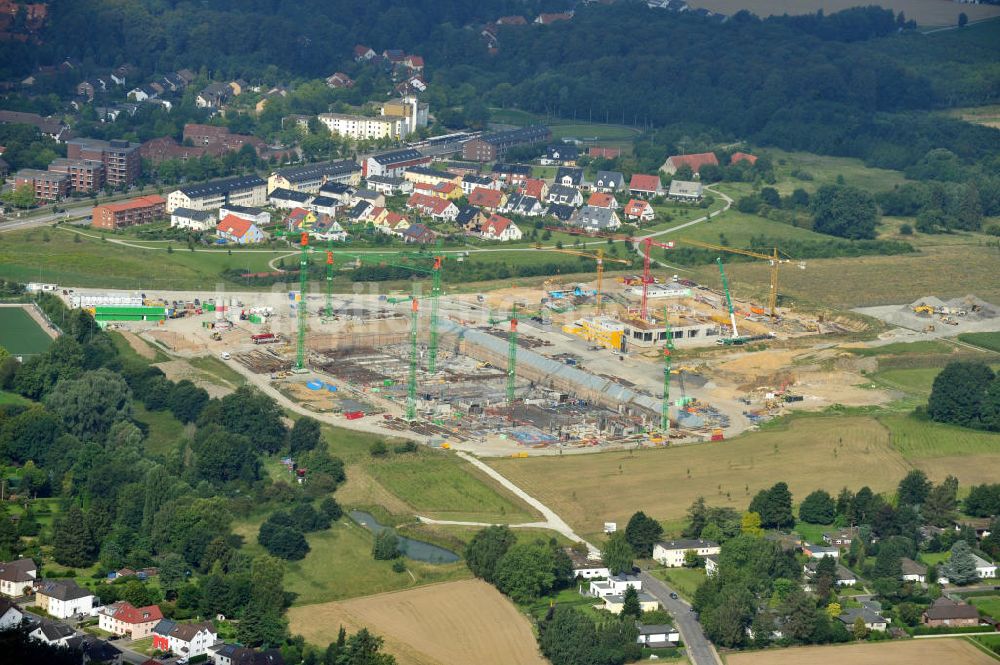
[[966, 394]]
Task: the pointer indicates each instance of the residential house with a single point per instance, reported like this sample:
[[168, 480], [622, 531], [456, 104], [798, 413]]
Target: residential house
[[985, 569], [840, 538], [390, 222], [549, 19], [571, 177], [565, 195], [239, 231], [471, 182], [11, 615], [470, 218], [17, 576], [684, 190], [565, 154], [842, 575], [122, 74], [369, 195], [393, 163], [213, 96], [433, 206], [646, 186], [359, 211], [259, 217], [913, 571], [561, 211], [363, 53], [242, 190], [51, 127], [511, 20], [609, 181], [616, 603], [495, 145], [500, 228], [310, 178], [63, 598], [512, 174], [161, 634], [99, 651], [671, 553], [340, 191], [288, 199], [123, 618], [52, 632], [694, 161], [657, 636], [614, 585], [300, 219], [593, 219], [604, 153], [187, 76], [325, 205], [192, 639], [339, 80], [639, 210], [586, 568], [418, 234], [447, 190], [820, 551], [535, 188], [873, 620], [428, 176], [394, 55], [389, 185], [328, 229], [603, 200], [142, 93], [414, 63], [738, 157], [487, 199], [522, 204], [947, 612]]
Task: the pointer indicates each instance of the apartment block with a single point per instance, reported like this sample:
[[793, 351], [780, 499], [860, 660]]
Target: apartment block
[[48, 185], [143, 210], [121, 159], [85, 175], [361, 128]]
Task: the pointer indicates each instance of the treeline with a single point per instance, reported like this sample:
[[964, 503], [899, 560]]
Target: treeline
[[966, 394], [119, 504]]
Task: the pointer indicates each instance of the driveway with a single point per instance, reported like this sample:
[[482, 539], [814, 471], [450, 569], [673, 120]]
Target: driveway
[[699, 649]]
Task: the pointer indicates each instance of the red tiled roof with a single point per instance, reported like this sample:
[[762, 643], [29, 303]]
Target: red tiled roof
[[546, 19], [496, 223], [636, 207], [511, 20], [600, 200], [645, 183], [695, 161], [433, 204], [234, 226], [415, 61], [483, 197], [128, 613], [141, 202], [361, 50], [533, 187], [445, 187], [606, 153], [743, 157]]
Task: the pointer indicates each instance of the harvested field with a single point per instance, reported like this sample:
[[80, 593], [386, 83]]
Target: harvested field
[[441, 624], [925, 12], [954, 651], [178, 370], [807, 453]]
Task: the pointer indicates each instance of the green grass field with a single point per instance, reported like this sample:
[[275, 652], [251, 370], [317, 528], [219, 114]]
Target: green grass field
[[581, 130], [934, 558], [985, 340], [217, 371], [811, 533], [916, 438], [685, 581], [165, 431], [988, 604], [19, 333], [738, 228], [917, 381], [905, 348], [12, 398]]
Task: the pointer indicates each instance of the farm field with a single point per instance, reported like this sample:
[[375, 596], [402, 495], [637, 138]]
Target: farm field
[[925, 12], [20, 334], [807, 453], [954, 651], [989, 340], [922, 439], [442, 486], [459, 622]]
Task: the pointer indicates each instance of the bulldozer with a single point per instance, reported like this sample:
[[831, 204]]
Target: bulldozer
[[926, 310]]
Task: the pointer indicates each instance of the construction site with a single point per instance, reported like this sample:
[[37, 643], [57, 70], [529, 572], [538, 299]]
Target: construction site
[[631, 360]]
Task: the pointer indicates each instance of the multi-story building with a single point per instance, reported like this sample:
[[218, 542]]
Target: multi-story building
[[413, 112], [361, 128], [85, 175], [243, 190], [123, 618], [121, 159], [394, 163], [672, 553], [494, 146], [310, 178], [143, 210], [48, 185], [63, 598]]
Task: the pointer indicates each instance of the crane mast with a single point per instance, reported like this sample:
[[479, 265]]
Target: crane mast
[[729, 299]]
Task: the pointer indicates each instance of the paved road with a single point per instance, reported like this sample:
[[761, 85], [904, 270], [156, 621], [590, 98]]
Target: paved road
[[699, 649]]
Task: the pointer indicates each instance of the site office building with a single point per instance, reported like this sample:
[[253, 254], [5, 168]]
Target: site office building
[[247, 191]]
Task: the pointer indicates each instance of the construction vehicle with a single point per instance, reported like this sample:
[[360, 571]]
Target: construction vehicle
[[775, 259], [923, 309]]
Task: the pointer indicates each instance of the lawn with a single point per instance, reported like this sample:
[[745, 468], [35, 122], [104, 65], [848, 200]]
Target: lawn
[[904, 348], [13, 398], [165, 431], [918, 438], [807, 453], [811, 533], [20, 334], [916, 380], [685, 581], [934, 558], [987, 604], [985, 340]]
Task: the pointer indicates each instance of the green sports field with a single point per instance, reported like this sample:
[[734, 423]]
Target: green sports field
[[19, 333]]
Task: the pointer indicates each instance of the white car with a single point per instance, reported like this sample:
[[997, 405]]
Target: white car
[[226, 355]]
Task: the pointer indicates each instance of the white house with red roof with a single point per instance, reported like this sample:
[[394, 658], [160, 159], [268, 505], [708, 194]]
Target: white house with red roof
[[694, 161], [363, 53], [603, 200], [644, 185], [535, 188], [414, 62], [437, 208], [487, 199], [500, 228], [639, 210], [339, 80], [124, 618], [239, 231]]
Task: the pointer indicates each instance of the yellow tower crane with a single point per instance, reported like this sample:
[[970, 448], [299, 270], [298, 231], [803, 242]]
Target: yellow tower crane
[[775, 258], [597, 255]]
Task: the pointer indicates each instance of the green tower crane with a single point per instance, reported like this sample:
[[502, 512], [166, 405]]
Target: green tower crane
[[432, 350], [411, 388], [512, 359], [300, 355], [668, 350], [328, 309], [729, 300]]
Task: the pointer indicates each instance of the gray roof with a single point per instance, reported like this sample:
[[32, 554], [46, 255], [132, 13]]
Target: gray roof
[[188, 213], [53, 630], [318, 170], [561, 211], [164, 627], [520, 169], [394, 181], [246, 210], [574, 173], [643, 597], [946, 608], [223, 186], [397, 156], [467, 214], [850, 615], [529, 134], [911, 567], [687, 544], [685, 188], [17, 571], [609, 179], [653, 629], [290, 195], [64, 590], [426, 170], [602, 218], [324, 202], [558, 191]]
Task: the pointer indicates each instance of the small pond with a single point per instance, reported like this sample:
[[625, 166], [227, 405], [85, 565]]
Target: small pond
[[417, 550]]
